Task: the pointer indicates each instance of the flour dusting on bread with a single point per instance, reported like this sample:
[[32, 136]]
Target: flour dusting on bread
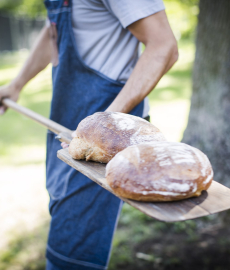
[[123, 121], [165, 171]]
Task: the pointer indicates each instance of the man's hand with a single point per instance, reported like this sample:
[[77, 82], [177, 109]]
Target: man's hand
[[159, 56], [9, 91]]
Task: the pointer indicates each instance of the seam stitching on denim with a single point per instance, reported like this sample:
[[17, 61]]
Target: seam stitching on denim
[[54, 253]]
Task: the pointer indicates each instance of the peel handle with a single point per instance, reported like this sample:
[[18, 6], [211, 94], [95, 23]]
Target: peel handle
[[64, 134]]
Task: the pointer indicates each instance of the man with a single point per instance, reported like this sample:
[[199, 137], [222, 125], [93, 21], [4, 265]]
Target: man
[[93, 45]]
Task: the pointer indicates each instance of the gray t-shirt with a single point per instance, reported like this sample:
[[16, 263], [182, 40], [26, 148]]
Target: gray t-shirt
[[103, 41]]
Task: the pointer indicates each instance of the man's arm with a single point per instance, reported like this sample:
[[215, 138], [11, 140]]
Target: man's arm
[[38, 59], [159, 56]]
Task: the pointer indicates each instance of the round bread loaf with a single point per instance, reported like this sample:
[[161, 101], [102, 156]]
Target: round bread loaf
[[161, 171], [101, 136]]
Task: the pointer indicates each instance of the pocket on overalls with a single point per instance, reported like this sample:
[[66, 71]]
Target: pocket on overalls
[[57, 172]]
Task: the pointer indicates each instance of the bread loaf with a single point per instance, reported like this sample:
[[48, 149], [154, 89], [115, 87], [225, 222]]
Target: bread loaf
[[161, 171], [101, 136]]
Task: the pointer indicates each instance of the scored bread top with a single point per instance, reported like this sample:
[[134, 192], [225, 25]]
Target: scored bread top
[[101, 136], [160, 171]]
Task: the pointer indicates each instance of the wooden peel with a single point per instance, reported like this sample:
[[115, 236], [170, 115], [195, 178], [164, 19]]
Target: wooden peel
[[215, 199]]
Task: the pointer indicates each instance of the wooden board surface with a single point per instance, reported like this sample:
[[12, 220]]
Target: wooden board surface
[[216, 199]]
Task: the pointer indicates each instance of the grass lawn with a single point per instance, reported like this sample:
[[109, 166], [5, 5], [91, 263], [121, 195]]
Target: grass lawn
[[23, 198]]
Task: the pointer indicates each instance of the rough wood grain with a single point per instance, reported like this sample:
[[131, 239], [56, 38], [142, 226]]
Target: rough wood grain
[[216, 199]]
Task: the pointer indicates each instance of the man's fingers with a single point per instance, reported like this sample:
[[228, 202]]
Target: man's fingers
[[64, 145]]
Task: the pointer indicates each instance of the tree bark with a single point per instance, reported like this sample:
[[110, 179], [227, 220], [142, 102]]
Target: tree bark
[[209, 119]]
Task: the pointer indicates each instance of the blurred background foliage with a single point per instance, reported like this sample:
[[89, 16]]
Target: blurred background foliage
[[182, 13], [28, 8], [182, 17]]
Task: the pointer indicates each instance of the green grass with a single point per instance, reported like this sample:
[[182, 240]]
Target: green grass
[[17, 132]]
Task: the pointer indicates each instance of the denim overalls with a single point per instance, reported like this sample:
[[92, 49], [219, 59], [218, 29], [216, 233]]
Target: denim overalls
[[84, 215]]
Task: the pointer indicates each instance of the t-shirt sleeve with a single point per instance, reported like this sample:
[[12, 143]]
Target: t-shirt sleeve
[[129, 11]]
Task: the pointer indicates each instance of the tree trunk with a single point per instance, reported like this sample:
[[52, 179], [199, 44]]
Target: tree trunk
[[209, 119]]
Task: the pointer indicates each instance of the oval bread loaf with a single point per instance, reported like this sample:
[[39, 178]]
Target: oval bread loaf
[[161, 171], [101, 136]]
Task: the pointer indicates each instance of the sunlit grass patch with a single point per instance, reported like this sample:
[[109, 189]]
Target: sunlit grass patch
[[170, 117], [21, 139]]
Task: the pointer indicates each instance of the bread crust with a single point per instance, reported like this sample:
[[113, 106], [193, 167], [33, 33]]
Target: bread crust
[[162, 171], [101, 136]]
